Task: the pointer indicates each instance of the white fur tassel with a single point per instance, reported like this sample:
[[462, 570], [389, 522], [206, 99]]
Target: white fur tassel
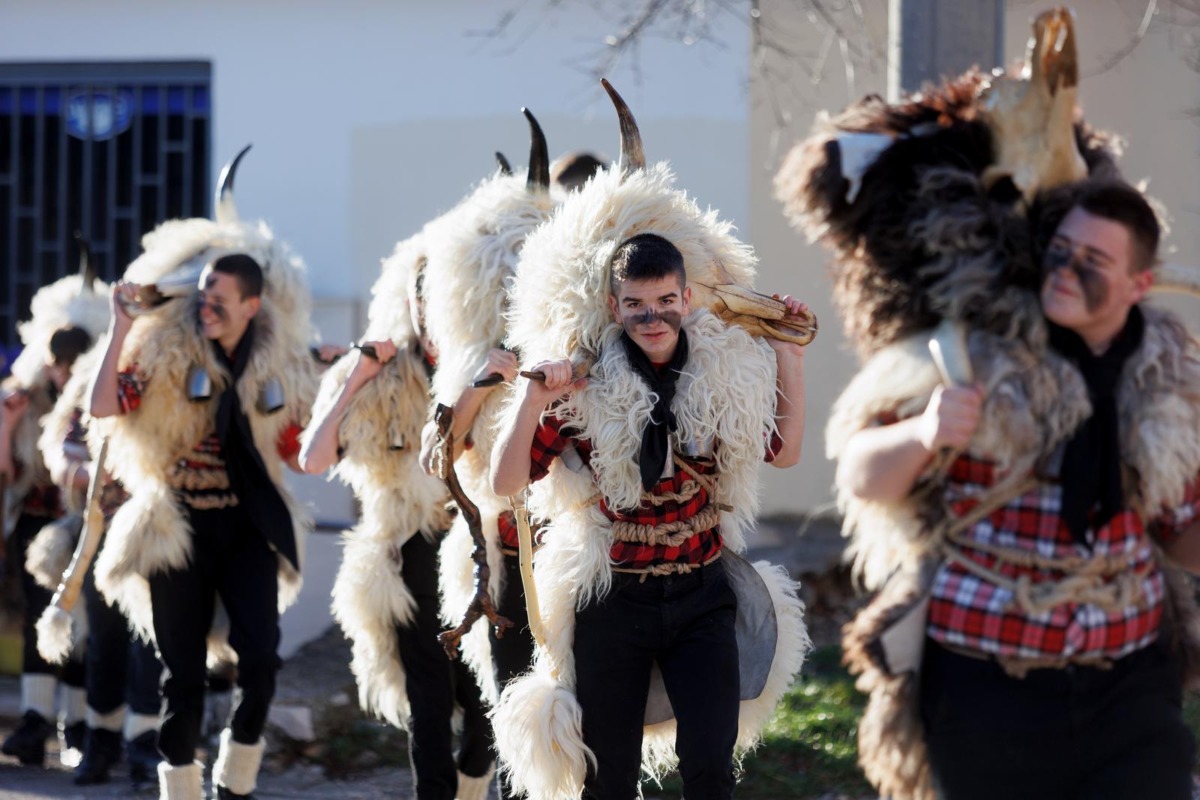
[[546, 757], [54, 641]]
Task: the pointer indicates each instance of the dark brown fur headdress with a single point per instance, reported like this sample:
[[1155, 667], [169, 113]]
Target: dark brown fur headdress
[[920, 204]]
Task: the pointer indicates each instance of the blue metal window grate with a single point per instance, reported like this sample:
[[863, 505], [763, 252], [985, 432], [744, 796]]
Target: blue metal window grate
[[108, 149]]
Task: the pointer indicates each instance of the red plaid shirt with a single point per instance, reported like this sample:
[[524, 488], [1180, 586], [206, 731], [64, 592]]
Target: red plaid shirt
[[552, 437], [970, 612], [201, 476]]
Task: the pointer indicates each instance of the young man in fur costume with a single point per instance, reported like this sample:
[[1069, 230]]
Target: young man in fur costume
[[206, 394], [66, 318], [122, 670], [1022, 438], [647, 470], [367, 425], [1048, 671]]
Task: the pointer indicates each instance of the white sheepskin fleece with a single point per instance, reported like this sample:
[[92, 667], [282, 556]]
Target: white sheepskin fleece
[[61, 304], [150, 532], [473, 251], [727, 391], [560, 302]]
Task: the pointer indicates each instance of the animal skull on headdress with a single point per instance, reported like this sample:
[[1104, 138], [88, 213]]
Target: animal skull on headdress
[[1032, 115]]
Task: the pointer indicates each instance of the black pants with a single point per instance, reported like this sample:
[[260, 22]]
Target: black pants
[[121, 668], [1077, 733], [37, 600], [685, 624], [435, 684], [512, 654], [232, 560]]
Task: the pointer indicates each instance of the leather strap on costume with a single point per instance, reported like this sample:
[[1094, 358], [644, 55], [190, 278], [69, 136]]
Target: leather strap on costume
[[525, 555]]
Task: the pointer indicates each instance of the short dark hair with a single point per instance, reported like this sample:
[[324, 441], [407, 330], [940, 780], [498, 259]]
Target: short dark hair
[[573, 170], [645, 257], [1122, 203], [68, 344], [247, 271]]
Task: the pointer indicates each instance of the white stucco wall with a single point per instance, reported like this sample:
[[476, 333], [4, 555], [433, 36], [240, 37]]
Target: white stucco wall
[[305, 80]]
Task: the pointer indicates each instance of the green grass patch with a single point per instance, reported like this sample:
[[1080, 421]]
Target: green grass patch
[[809, 748]]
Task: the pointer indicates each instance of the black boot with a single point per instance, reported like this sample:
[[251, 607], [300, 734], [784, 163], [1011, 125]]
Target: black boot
[[142, 753], [225, 794], [28, 742], [101, 752]]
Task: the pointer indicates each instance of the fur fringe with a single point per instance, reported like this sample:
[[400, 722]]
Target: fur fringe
[[370, 599], [50, 552], [54, 639]]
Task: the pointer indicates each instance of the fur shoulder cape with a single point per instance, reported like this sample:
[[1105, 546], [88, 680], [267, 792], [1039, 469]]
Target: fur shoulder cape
[[150, 532], [380, 440]]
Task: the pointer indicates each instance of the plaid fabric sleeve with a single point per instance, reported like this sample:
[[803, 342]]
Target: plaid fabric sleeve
[[1171, 523], [549, 440], [774, 445], [130, 388], [288, 443]]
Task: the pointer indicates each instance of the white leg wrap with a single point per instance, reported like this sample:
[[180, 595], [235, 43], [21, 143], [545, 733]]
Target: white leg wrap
[[237, 764], [185, 782], [74, 704], [474, 788], [110, 721], [37, 693], [137, 724]]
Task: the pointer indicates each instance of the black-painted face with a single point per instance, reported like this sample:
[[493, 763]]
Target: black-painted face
[[1092, 280], [218, 309], [649, 316]]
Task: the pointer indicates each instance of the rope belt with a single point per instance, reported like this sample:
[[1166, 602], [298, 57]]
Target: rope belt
[[1099, 583], [668, 534], [669, 568], [1102, 581]]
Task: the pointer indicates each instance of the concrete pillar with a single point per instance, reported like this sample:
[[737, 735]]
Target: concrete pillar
[[932, 39]]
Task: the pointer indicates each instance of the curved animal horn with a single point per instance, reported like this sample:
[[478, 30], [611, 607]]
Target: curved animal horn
[[87, 265], [539, 156], [226, 210], [632, 156], [505, 167]]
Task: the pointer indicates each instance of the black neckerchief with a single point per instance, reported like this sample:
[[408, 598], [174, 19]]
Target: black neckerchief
[[656, 440], [1091, 466], [248, 476]]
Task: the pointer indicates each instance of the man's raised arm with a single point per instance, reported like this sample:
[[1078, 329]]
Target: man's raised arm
[[105, 393]]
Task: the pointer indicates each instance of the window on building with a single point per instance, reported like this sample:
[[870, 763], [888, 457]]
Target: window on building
[[106, 149]]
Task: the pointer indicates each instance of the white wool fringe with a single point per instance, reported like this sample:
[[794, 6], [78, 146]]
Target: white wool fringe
[[54, 639]]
